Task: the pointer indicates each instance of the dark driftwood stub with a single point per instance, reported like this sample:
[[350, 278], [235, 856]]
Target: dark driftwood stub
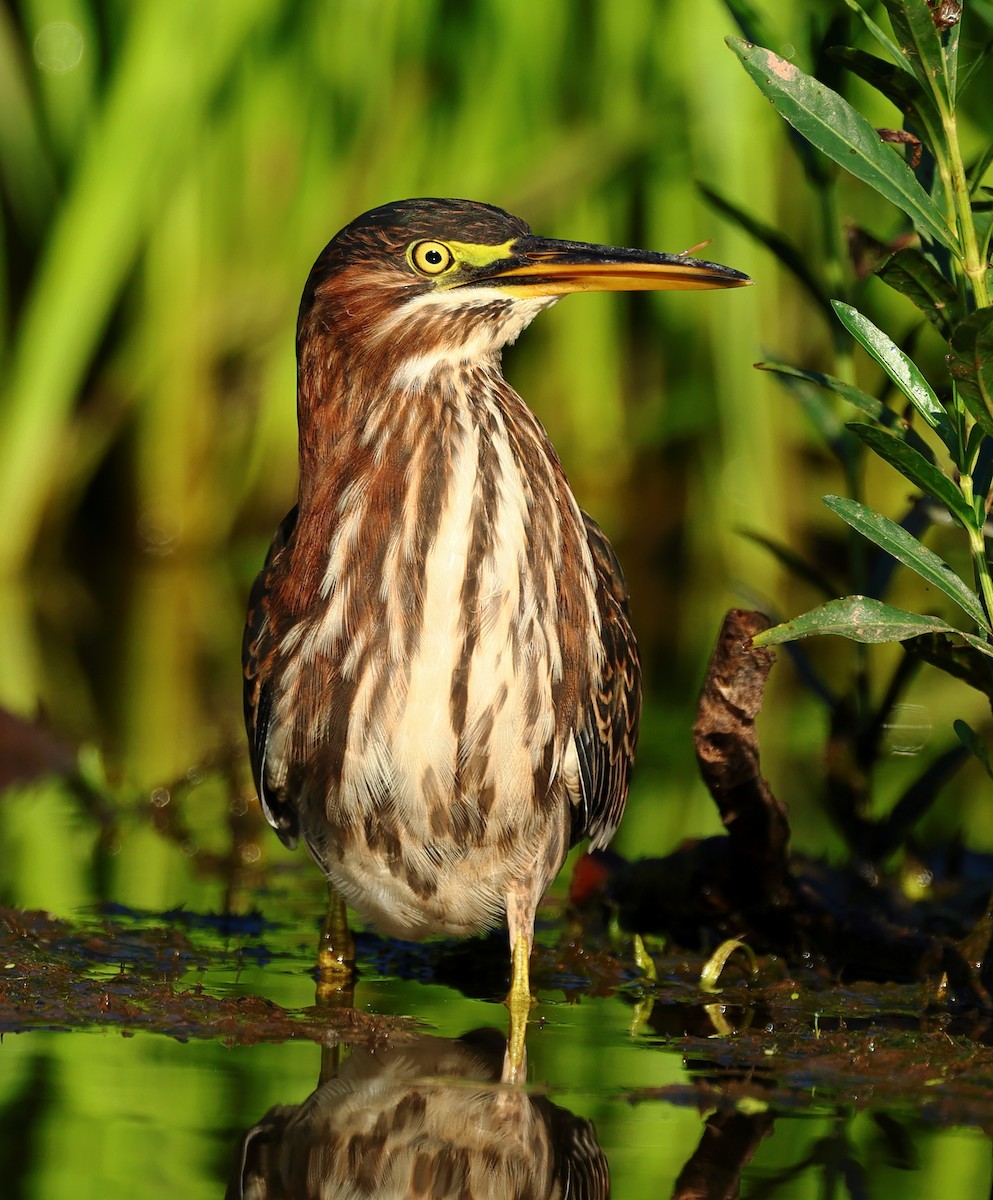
[[791, 905], [749, 885], [727, 750]]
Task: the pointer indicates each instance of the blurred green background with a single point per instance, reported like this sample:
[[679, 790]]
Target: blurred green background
[[169, 173]]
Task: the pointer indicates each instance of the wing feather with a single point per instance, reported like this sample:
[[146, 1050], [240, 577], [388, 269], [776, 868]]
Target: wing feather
[[606, 741], [258, 651]]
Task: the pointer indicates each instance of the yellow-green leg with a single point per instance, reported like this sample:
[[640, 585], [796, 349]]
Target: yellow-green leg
[[519, 1002], [646, 965], [335, 954]]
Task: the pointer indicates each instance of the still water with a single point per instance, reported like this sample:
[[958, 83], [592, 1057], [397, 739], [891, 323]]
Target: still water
[[154, 1047]]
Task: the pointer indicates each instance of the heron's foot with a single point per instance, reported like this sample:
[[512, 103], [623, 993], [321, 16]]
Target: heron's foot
[[519, 1002]]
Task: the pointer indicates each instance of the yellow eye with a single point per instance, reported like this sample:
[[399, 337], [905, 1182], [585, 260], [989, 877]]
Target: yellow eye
[[431, 258]]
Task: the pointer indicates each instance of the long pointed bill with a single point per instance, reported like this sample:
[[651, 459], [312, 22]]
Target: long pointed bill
[[546, 267]]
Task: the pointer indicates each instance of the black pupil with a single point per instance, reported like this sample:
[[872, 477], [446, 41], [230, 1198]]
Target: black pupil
[[434, 257]]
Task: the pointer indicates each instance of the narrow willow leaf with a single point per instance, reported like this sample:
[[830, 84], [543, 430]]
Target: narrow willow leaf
[[834, 127], [904, 547], [773, 240], [865, 403], [909, 272], [971, 365], [915, 467], [904, 373], [863, 619], [898, 86], [861, 400], [891, 48], [951, 43], [821, 411], [920, 43], [880, 35], [974, 744]]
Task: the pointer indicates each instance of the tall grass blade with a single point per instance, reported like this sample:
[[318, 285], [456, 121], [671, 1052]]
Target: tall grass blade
[[171, 66]]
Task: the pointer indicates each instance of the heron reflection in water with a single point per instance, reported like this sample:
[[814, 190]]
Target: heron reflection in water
[[428, 1118]]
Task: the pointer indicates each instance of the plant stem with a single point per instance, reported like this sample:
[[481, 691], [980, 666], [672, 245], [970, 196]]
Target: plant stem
[[981, 565], [972, 262], [974, 267], [977, 549]]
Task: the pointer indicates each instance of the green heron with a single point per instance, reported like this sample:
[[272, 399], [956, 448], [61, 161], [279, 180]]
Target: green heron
[[442, 686]]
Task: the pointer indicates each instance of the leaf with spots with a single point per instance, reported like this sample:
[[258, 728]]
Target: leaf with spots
[[864, 619], [830, 123], [905, 548]]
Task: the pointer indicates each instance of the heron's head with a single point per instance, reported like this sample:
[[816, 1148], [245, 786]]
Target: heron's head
[[423, 281]]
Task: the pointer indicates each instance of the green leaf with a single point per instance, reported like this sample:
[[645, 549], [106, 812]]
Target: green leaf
[[822, 413], [915, 467], [863, 619], [904, 373], [920, 43], [898, 85], [891, 48], [909, 272], [974, 744], [905, 548], [773, 240], [971, 365], [865, 403], [951, 44], [861, 400], [834, 127]]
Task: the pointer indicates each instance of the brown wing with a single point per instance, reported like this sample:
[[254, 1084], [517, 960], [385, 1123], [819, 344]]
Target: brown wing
[[257, 652], [607, 740]]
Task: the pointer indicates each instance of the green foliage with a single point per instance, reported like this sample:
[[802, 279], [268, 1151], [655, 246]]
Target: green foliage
[[830, 123], [939, 437]]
